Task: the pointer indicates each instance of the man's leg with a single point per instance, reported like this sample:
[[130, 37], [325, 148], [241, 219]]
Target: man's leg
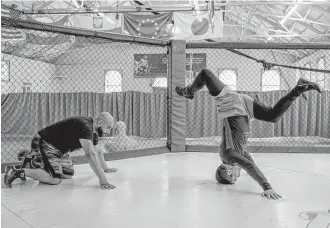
[[204, 78], [42, 175], [67, 166], [44, 165], [273, 114]]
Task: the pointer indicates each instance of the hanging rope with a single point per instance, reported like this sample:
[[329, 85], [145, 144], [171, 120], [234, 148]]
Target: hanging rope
[[268, 65]]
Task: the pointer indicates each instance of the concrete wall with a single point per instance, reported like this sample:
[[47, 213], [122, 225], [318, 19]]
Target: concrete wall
[[22, 70], [84, 69]]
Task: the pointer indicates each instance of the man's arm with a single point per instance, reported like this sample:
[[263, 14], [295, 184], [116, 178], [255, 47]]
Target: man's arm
[[94, 162], [100, 155], [251, 168]]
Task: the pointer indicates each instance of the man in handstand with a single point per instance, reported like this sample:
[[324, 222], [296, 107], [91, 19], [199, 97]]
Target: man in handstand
[[236, 111]]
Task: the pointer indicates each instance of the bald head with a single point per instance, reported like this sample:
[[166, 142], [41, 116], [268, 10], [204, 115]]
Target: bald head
[[105, 116], [104, 122]]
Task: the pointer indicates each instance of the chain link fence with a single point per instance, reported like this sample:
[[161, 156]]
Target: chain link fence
[[306, 124], [49, 76]]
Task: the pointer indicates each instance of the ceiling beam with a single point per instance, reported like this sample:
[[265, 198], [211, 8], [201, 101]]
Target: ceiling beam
[[269, 3], [18, 3], [257, 28], [290, 18], [69, 3], [276, 25], [256, 11], [240, 17], [276, 8], [325, 11], [289, 12], [141, 4], [282, 36], [176, 7], [237, 24], [310, 27], [43, 5]]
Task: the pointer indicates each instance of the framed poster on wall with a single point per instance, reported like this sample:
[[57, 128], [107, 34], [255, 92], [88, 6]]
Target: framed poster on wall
[[150, 65], [5, 70], [155, 65]]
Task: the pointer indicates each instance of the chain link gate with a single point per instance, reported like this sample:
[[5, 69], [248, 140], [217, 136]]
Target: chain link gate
[[304, 127], [49, 76]]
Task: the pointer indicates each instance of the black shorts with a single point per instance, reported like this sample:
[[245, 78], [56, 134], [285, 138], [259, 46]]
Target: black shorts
[[45, 156], [236, 131]]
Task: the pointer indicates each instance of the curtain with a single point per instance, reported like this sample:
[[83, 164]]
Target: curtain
[[145, 114], [26, 113], [303, 118]]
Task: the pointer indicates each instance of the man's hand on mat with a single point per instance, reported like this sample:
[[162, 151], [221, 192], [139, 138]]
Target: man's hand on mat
[[105, 185], [110, 170], [271, 194]]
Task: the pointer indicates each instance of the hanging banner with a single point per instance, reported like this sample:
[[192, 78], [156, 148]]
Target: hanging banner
[[109, 23], [151, 26], [188, 26]]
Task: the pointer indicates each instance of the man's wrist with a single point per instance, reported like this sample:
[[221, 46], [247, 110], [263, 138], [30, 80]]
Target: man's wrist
[[267, 188]]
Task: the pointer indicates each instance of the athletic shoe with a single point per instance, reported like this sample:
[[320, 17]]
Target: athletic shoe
[[304, 85], [11, 174], [184, 92]]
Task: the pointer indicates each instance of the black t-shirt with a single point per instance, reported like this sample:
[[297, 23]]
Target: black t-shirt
[[65, 134]]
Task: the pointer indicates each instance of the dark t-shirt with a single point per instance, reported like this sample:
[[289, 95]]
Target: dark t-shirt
[[232, 150], [65, 134]]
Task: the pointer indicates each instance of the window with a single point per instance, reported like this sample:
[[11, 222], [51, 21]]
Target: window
[[26, 87], [112, 81], [228, 77], [160, 82], [270, 80], [5, 70]]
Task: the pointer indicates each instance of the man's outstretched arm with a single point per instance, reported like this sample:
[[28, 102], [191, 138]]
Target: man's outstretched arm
[[100, 155], [94, 162], [252, 169]]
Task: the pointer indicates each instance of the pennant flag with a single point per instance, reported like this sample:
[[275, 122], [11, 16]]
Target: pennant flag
[[197, 26], [40, 45], [151, 26], [109, 23], [6, 12], [11, 38], [12, 34]]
